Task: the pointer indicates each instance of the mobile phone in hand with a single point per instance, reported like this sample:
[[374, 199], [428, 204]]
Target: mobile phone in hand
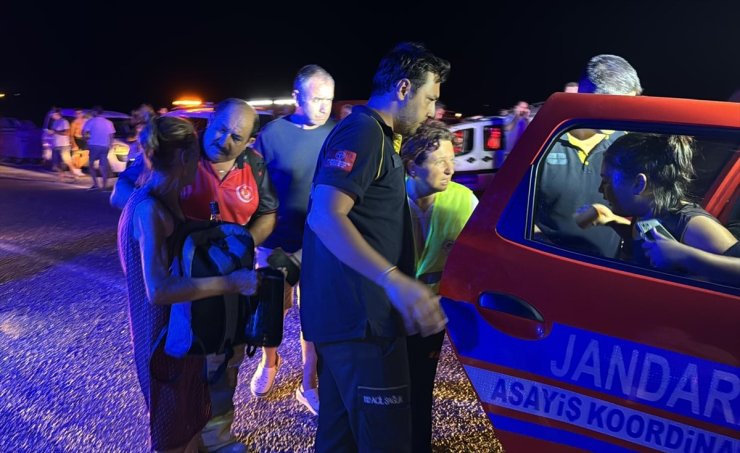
[[648, 227]]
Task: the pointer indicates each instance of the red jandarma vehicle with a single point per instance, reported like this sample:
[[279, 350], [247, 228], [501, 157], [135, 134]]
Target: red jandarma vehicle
[[573, 352]]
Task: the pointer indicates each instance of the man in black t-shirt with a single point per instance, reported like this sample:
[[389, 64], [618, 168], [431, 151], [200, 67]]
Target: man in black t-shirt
[[359, 301], [570, 176]]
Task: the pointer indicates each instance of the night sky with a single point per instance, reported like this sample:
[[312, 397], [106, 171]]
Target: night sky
[[122, 54]]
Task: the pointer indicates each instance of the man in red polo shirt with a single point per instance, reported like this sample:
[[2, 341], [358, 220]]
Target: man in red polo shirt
[[232, 174]]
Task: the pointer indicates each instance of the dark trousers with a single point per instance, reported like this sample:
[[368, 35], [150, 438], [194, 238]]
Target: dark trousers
[[364, 393], [423, 356]]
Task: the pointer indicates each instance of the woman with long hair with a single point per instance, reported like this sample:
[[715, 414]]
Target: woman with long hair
[[175, 390], [647, 176]]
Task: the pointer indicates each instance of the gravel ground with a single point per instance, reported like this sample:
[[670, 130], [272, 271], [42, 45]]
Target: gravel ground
[[280, 423], [67, 381]]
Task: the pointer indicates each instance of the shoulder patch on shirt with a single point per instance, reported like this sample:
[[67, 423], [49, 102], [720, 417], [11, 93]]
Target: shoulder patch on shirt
[[341, 158]]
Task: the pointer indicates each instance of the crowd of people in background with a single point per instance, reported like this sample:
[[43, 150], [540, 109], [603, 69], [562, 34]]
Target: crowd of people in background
[[360, 211]]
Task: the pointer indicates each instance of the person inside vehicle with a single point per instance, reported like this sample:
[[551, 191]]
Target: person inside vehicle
[[570, 175], [439, 210], [175, 391], [647, 176]]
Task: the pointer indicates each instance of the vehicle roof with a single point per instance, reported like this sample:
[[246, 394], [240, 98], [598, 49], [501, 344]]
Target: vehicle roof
[[466, 122], [106, 113], [191, 112], [205, 112]]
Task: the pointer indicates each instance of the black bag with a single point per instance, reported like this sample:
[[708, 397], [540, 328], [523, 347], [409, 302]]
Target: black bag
[[215, 325]]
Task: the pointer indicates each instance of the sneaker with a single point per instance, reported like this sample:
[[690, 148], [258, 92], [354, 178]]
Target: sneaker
[[92, 188], [309, 398], [263, 379]]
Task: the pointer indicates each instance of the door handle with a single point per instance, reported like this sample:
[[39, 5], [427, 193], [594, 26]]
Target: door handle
[[510, 305]]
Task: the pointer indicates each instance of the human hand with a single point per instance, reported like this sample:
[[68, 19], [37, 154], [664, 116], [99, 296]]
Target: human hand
[[289, 265], [418, 306], [595, 214], [663, 252], [244, 281]]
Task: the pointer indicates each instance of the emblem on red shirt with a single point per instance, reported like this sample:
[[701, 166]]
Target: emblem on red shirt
[[244, 193], [342, 159]]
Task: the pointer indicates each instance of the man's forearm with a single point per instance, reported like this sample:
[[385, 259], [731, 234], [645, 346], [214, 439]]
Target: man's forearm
[[262, 227], [342, 238]]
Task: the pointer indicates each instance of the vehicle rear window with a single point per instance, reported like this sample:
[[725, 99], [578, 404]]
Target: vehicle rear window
[[465, 141], [494, 138]]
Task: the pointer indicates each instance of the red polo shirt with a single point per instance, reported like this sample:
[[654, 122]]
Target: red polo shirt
[[237, 194]]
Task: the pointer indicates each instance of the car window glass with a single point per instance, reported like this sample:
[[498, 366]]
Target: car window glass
[[569, 174], [494, 138], [465, 141]]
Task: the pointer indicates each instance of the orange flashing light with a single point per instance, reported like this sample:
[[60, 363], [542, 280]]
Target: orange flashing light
[[187, 102]]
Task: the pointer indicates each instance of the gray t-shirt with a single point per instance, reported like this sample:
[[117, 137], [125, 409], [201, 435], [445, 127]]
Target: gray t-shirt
[[290, 153]]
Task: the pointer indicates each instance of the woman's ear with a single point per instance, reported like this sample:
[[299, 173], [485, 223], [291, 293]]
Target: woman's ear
[[640, 184]]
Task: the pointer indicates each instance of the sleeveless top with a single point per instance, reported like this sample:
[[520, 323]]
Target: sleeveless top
[[675, 222], [146, 319], [175, 390]]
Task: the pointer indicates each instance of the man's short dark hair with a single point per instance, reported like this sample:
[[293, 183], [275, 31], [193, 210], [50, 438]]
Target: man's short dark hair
[[408, 61]]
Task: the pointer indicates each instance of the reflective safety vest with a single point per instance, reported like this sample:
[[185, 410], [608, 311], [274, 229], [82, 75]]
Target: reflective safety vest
[[452, 209]]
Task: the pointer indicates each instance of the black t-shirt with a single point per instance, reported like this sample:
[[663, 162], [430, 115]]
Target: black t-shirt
[[337, 303]]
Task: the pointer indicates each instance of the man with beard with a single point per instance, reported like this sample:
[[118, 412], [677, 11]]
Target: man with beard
[[360, 301]]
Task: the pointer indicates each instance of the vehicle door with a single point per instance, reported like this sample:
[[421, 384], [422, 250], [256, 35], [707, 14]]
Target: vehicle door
[[569, 351]]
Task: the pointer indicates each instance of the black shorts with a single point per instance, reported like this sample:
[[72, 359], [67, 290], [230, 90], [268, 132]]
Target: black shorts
[[81, 143]]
